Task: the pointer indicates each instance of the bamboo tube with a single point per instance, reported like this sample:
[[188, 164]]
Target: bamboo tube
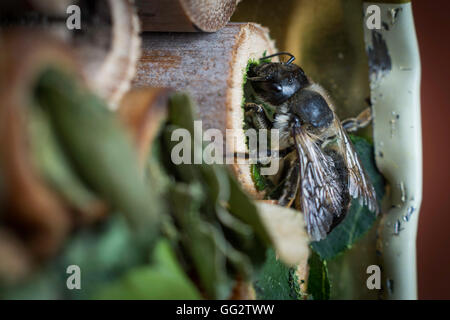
[[15, 260], [111, 73], [211, 68], [185, 15], [32, 205], [107, 45]]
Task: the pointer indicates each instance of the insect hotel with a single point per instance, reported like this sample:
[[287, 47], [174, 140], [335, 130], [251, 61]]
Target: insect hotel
[[189, 149]]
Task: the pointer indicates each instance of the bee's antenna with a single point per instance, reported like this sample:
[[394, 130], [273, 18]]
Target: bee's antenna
[[291, 59]]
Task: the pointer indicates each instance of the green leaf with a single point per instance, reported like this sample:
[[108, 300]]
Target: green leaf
[[103, 254], [276, 281], [318, 281], [223, 226], [242, 207], [100, 150], [359, 219], [52, 162], [182, 112], [259, 181], [164, 279], [44, 285], [203, 241]]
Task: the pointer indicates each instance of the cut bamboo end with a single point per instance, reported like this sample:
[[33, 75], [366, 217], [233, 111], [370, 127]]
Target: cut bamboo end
[[107, 44], [185, 15], [287, 229], [36, 205], [302, 274], [211, 67], [110, 76], [143, 111]]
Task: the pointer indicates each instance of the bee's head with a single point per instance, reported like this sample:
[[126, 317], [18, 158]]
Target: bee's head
[[275, 82]]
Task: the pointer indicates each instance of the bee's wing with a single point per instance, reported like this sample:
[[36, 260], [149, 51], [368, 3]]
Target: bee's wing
[[359, 185], [320, 190]]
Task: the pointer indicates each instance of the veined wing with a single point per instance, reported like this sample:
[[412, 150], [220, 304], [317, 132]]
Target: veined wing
[[359, 185], [320, 189]]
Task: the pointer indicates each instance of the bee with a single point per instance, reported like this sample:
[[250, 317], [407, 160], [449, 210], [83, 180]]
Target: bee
[[323, 170]]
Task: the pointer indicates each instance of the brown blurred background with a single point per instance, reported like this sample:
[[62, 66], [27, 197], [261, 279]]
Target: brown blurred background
[[433, 241]]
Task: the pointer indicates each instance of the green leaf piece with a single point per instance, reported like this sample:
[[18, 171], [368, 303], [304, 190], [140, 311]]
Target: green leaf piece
[[162, 280], [195, 217], [52, 162], [202, 240], [258, 179], [318, 281], [102, 253], [182, 112], [219, 225], [276, 281], [100, 150], [243, 208]]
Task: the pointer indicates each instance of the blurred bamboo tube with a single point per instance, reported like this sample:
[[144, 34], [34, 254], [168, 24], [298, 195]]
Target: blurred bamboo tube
[[118, 65], [32, 206], [15, 260], [185, 15], [211, 67], [143, 111], [107, 44], [243, 290]]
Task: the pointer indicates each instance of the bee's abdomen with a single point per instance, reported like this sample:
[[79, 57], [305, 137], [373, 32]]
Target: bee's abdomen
[[342, 174]]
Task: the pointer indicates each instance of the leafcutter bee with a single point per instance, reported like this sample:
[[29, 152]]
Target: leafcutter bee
[[323, 170]]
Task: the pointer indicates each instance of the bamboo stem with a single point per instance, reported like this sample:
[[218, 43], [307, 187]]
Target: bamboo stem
[[33, 205], [185, 15], [211, 68], [107, 45]]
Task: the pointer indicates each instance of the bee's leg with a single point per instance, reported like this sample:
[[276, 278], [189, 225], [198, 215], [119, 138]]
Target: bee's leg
[[255, 115], [292, 183], [284, 157], [362, 120], [280, 153]]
